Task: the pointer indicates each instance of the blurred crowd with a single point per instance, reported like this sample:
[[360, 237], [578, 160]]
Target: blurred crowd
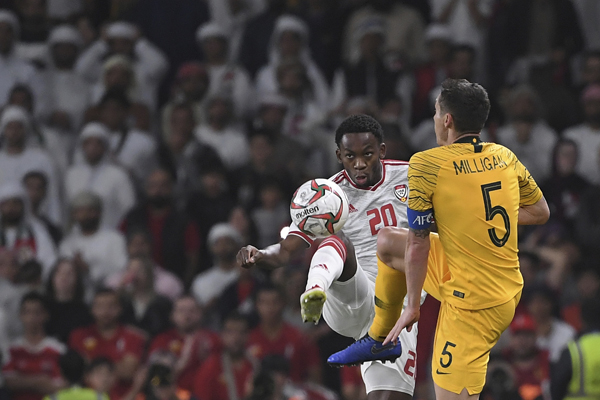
[[143, 142]]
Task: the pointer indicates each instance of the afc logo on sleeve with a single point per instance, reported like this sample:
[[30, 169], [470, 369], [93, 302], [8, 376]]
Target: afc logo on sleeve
[[401, 192]]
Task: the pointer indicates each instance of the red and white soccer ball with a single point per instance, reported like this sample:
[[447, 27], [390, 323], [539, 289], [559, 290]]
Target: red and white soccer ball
[[319, 208]]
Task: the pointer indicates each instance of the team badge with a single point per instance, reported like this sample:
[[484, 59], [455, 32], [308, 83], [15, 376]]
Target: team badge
[[401, 191]]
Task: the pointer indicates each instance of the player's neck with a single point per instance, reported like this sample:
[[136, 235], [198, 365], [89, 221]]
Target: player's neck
[[453, 136]]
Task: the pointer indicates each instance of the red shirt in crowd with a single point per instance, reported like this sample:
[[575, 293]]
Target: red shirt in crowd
[[211, 381], [30, 360], [90, 343], [531, 379], [290, 343], [205, 343]]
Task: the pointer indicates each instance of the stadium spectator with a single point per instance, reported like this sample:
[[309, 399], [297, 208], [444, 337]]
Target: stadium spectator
[[97, 174], [12, 68], [271, 215], [226, 77], [99, 374], [221, 133], [33, 369], [165, 283], [160, 384], [67, 94], [274, 336], [587, 135], [569, 379], [66, 307], [262, 169], [223, 243], [35, 27], [72, 368], [20, 231], [142, 306], [36, 186], [123, 38], [118, 74], [10, 293], [588, 12], [130, 147], [289, 42], [253, 52], [226, 374], [564, 188], [370, 75], [122, 345], [552, 333], [182, 155], [404, 34], [530, 365], [431, 74], [191, 87], [587, 287], [95, 250], [187, 341], [175, 240], [18, 157], [527, 134]]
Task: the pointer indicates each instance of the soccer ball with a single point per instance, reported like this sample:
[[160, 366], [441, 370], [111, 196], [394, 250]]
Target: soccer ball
[[319, 208]]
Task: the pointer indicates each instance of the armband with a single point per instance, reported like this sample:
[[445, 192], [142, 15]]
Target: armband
[[418, 220]]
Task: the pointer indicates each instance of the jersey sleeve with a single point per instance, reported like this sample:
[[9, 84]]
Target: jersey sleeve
[[422, 179], [294, 230], [529, 191]]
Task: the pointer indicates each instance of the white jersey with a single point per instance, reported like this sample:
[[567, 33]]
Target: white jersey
[[371, 208]]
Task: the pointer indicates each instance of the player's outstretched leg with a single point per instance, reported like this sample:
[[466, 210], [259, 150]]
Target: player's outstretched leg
[[390, 290], [326, 266]]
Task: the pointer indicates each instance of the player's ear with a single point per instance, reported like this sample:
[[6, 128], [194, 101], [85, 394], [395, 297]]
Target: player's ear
[[338, 155], [382, 150], [448, 121]]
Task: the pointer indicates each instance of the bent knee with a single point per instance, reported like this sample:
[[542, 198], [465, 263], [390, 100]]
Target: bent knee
[[391, 243]]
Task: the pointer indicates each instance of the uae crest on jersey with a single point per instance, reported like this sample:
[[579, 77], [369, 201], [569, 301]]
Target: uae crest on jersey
[[401, 191]]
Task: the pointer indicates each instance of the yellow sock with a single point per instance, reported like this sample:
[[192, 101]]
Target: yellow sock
[[390, 290]]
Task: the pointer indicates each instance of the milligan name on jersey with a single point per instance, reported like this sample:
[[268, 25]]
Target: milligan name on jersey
[[475, 165]]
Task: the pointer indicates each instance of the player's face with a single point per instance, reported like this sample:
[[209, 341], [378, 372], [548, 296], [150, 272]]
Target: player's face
[[360, 154], [439, 119]]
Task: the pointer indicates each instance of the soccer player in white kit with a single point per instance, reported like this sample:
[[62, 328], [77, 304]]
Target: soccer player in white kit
[[341, 278]]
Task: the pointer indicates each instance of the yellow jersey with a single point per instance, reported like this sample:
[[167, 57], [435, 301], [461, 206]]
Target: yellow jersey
[[474, 190]]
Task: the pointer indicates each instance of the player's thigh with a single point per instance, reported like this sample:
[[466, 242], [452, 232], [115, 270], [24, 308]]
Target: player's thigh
[[350, 307], [437, 267], [398, 376], [462, 345]]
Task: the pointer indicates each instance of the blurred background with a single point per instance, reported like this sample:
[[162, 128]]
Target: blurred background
[[143, 142]]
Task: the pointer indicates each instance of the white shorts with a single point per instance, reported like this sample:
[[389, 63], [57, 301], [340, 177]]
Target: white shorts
[[349, 310]]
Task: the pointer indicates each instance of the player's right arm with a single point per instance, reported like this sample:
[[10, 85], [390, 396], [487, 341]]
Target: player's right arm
[[274, 256]]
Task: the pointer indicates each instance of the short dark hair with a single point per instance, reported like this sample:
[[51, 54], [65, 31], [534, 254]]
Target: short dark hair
[[36, 174], [34, 297], [359, 123], [467, 102], [72, 366], [103, 291], [236, 316]]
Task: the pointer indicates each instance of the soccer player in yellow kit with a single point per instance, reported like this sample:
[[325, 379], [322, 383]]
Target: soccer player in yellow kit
[[477, 193]]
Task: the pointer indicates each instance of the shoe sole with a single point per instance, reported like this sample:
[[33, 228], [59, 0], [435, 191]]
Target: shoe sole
[[390, 359], [312, 306]]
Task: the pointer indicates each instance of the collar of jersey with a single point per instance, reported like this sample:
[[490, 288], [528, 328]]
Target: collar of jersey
[[469, 138]]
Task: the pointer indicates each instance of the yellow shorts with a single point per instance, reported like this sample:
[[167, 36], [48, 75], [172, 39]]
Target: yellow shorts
[[463, 338]]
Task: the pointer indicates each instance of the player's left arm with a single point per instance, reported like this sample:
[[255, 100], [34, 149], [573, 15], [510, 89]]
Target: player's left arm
[[534, 214]]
